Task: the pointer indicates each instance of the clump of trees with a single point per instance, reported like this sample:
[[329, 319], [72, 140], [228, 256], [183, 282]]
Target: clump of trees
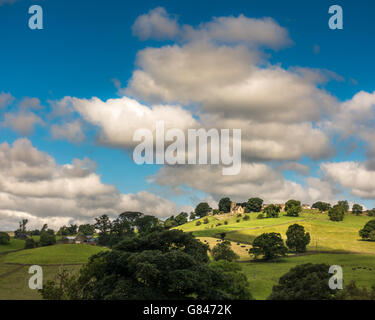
[[21, 233], [352, 292], [297, 238], [254, 205], [304, 282], [223, 251], [202, 209], [224, 204], [4, 238], [337, 212], [357, 209], [293, 208], [47, 237], [167, 264], [30, 243], [173, 221], [272, 211], [68, 231], [321, 206], [268, 245], [367, 232]]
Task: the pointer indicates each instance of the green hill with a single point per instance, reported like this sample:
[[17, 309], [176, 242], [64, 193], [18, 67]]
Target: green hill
[[57, 254]]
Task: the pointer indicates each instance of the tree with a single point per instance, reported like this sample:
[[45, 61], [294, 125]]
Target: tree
[[223, 251], [103, 224], [269, 245], [202, 209], [304, 282], [192, 216], [367, 229], [321, 206], [181, 219], [224, 205], [293, 208], [254, 205], [30, 243], [148, 224], [352, 292], [344, 204], [272, 211], [21, 233], [336, 213], [371, 213], [235, 283], [297, 239], [357, 209], [47, 239], [162, 265], [86, 229], [4, 238]]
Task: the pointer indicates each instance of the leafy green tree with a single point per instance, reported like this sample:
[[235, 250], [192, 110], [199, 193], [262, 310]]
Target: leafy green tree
[[192, 216], [321, 206], [367, 229], [344, 204], [269, 245], [21, 232], [72, 229], [235, 283], [130, 216], [272, 211], [86, 229], [4, 238], [371, 236], [148, 224], [47, 239], [357, 209], [304, 282], [224, 205], [352, 292], [170, 223], [297, 238], [104, 225], [30, 243], [336, 213], [181, 219], [371, 213], [156, 266], [223, 251], [254, 205], [293, 208], [202, 209]]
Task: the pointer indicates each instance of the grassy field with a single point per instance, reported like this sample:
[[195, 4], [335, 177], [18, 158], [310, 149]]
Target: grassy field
[[14, 267], [326, 235], [14, 280], [58, 254], [15, 244], [263, 275]]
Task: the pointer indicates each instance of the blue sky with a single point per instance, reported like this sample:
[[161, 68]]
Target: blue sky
[[85, 45]]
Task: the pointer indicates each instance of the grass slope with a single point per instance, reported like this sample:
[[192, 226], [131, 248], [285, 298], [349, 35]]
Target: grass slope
[[15, 244], [263, 275], [57, 254], [326, 235]]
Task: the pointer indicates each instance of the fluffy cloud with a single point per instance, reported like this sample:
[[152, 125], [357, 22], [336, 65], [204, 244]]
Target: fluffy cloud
[[5, 99], [159, 25], [23, 122], [353, 176], [119, 118], [71, 131], [33, 186], [255, 179], [156, 24], [30, 103]]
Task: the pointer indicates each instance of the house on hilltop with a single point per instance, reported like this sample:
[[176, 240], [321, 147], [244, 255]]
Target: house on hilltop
[[236, 209]]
